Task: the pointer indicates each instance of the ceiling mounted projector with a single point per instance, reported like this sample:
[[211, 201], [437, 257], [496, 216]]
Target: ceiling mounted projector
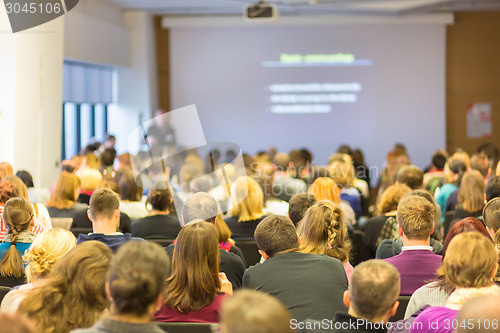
[[261, 11]]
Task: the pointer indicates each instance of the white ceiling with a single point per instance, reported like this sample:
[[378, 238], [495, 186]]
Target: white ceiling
[[309, 7]]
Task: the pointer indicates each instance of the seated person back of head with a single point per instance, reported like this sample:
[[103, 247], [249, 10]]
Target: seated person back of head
[[417, 264], [160, 223], [298, 206], [372, 299], [309, 285], [202, 206], [195, 290], [104, 212], [252, 311], [134, 288]]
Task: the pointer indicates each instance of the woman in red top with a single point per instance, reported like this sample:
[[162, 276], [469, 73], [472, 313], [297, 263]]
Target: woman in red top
[[195, 289]]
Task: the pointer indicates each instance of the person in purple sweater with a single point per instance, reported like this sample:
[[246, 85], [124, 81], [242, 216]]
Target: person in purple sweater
[[416, 263]]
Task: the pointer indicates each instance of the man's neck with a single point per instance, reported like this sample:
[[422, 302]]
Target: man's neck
[[104, 226], [159, 212], [384, 318], [416, 242]]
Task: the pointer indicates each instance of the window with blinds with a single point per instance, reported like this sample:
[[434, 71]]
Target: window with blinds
[[87, 92]]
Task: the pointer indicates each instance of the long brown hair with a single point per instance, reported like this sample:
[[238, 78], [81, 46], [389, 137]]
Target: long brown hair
[[323, 231], [471, 192], [194, 282], [64, 194], [21, 188], [73, 294], [17, 215]]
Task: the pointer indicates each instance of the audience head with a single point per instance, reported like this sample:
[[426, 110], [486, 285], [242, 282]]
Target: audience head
[[134, 286], [90, 179], [483, 312], [470, 261], [492, 189], [247, 199], [16, 323], [439, 159], [390, 198], [358, 159], [250, 311], [111, 184], [323, 231], [107, 157], [200, 206], [480, 162], [466, 225], [189, 172], [129, 189], [47, 248], [26, 177], [471, 192], [281, 160], [491, 217], [275, 235], [22, 190], [18, 217], [159, 197], [194, 283], [411, 176], [416, 217], [7, 191], [5, 169], [342, 173], [454, 170], [73, 294], [104, 205], [325, 188], [298, 205], [373, 291], [65, 191]]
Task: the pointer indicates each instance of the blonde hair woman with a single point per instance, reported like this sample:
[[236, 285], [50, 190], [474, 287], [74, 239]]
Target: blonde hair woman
[[470, 197], [62, 201], [323, 231], [44, 252], [247, 200], [469, 265], [73, 295], [325, 188]]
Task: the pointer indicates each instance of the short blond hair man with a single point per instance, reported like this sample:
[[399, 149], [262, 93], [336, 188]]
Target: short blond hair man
[[416, 263]]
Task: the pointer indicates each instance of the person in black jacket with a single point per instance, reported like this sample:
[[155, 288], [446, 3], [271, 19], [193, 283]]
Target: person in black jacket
[[160, 223], [309, 285]]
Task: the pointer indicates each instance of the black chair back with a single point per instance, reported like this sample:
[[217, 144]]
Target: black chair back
[[448, 217], [187, 327], [403, 304], [163, 242], [78, 231], [250, 251]]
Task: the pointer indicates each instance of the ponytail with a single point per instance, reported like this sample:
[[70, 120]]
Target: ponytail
[[17, 215]]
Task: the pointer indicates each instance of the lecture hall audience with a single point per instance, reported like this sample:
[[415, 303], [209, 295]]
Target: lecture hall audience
[[61, 287]]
